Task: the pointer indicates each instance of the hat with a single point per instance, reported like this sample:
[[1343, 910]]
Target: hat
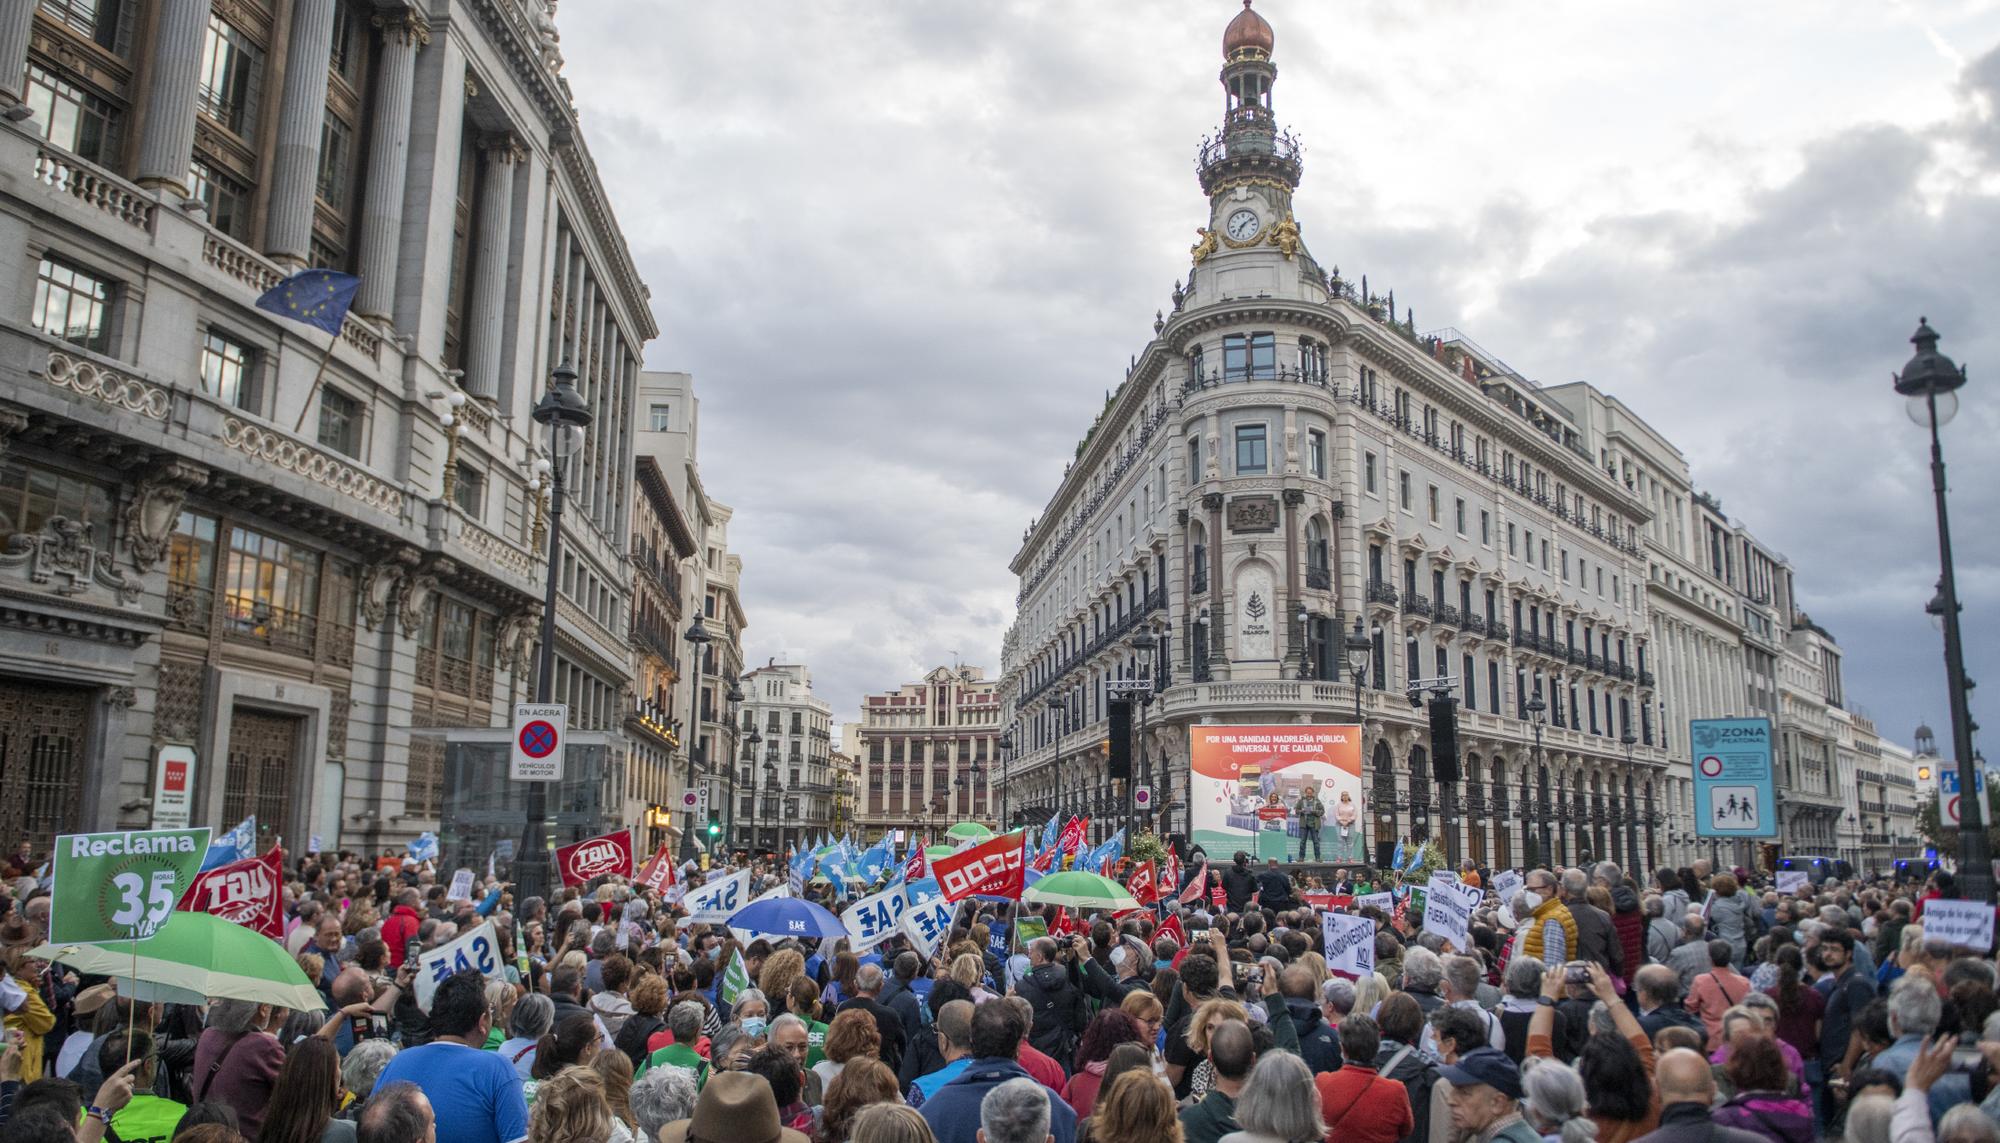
[[734, 1107], [17, 931], [93, 998], [1489, 1066]]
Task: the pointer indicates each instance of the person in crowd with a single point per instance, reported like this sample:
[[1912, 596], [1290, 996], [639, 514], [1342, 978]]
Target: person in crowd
[[854, 1034], [888, 1024], [1731, 916], [1552, 1099], [1757, 1072], [890, 1123], [533, 1016], [1616, 1065], [306, 1098], [683, 1048], [1136, 1107], [1238, 883], [1231, 1054], [1357, 1102], [1109, 1029], [475, 1094], [1596, 943], [1485, 1098], [237, 1060], [733, 1107], [1055, 997], [1549, 930], [397, 1113], [144, 1116], [998, 1030], [862, 1083], [1717, 990], [660, 1097], [1656, 989], [615, 1069], [358, 1072], [1401, 1058], [1690, 957], [1686, 1091], [1016, 1111]]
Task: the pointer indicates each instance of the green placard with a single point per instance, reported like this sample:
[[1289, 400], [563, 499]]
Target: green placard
[[121, 886]]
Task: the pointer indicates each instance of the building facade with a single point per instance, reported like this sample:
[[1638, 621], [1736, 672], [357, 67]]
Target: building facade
[[303, 557], [663, 547], [925, 753], [784, 774]]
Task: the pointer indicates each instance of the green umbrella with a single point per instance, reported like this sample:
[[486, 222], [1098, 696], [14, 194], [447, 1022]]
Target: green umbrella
[[1080, 890], [969, 831], [201, 955], [940, 851]]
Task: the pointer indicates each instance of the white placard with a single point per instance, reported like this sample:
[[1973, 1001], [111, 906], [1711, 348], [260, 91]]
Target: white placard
[[1506, 883], [461, 886], [928, 924], [537, 745], [1963, 924], [1349, 942], [779, 890], [875, 918], [1448, 906], [313, 844], [1790, 881], [478, 949], [1383, 901], [715, 900], [173, 787]]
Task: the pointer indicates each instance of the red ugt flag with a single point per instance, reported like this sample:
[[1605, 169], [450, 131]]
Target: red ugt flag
[[995, 868], [1060, 925], [247, 892], [913, 870], [1142, 885], [1170, 877], [1173, 928], [1073, 835], [597, 857], [658, 872]]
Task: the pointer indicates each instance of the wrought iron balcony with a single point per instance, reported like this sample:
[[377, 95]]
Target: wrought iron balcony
[[1498, 630], [1593, 661], [1573, 654], [1645, 678], [1447, 615], [1319, 578], [1474, 625], [1417, 605], [1625, 671], [1523, 639], [1381, 591]]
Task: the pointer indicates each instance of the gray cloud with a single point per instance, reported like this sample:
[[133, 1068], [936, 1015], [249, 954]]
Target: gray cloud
[[905, 249]]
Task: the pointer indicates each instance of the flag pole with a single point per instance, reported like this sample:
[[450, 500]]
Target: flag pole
[[318, 375]]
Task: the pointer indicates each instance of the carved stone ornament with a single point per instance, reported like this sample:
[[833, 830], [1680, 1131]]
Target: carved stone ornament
[[121, 697], [413, 595], [380, 582], [13, 422], [517, 638], [155, 507], [1253, 514], [62, 555]]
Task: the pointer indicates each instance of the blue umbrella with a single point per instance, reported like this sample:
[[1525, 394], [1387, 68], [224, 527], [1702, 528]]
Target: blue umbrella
[[787, 917]]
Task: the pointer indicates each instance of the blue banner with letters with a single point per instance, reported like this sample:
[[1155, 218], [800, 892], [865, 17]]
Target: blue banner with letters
[[1733, 790]]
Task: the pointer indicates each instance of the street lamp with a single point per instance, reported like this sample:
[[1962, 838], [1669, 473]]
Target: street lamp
[[1628, 740], [698, 636], [1930, 384], [564, 413], [1006, 748], [1538, 717], [1146, 644], [753, 740], [1305, 659]]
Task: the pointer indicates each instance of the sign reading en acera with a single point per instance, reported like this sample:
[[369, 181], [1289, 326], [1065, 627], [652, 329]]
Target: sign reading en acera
[[121, 886], [537, 754]]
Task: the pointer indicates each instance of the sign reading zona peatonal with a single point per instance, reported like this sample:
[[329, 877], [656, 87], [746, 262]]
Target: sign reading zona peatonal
[[538, 742]]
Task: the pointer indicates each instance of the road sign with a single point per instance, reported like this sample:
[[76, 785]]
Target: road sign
[[173, 787], [1142, 797], [538, 742], [1948, 800], [1733, 788]]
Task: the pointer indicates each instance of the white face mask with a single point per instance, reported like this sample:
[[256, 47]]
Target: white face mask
[[1531, 899]]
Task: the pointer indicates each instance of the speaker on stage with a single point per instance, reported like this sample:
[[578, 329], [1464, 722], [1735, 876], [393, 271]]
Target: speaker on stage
[[1120, 764], [1444, 739], [1385, 854]]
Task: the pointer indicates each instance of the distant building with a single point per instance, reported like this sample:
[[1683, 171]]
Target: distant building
[[925, 752], [784, 781]]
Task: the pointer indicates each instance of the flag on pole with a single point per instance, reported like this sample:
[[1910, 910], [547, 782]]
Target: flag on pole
[[239, 844], [917, 867], [1050, 833], [319, 298], [1173, 928], [1143, 886], [735, 979]]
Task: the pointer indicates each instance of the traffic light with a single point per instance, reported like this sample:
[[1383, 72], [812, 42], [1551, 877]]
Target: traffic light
[[714, 828]]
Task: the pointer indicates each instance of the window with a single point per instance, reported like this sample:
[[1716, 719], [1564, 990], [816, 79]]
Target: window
[[1235, 357], [1545, 555], [336, 141], [226, 371], [1600, 580], [1511, 550], [1403, 487], [227, 200], [269, 582], [470, 493], [1458, 513], [1263, 355], [30, 496], [1195, 365], [72, 305], [1250, 450], [1368, 472], [1485, 526], [75, 118], [1432, 501], [663, 418], [1194, 460], [231, 71], [106, 23], [1565, 565], [1316, 453], [340, 422]]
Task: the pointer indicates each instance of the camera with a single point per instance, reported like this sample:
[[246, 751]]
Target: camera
[[1576, 972]]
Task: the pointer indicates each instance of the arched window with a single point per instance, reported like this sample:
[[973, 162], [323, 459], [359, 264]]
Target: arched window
[[1384, 796], [1319, 555], [1198, 560]]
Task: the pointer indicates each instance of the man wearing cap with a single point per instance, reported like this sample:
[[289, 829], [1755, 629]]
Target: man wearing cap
[[736, 1106], [1486, 1097]]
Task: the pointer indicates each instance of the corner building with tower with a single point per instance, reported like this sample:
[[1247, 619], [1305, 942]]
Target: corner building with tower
[[1296, 509]]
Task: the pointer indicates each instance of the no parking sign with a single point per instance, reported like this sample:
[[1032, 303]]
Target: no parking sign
[[538, 742]]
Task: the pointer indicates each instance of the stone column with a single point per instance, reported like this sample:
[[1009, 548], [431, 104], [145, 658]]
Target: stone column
[[166, 146], [17, 22], [301, 114], [388, 161], [491, 247]]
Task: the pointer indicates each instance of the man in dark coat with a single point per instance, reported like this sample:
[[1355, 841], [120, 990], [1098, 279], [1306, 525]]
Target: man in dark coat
[[889, 1022], [1274, 887], [1595, 940], [1687, 1087], [1238, 883], [1319, 1044], [1057, 1000]]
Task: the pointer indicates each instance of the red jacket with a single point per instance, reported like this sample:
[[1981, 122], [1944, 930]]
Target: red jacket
[[1361, 1106], [398, 930], [1042, 1066]]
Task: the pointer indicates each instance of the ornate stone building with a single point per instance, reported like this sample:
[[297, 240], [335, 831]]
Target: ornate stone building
[[784, 786], [301, 556], [925, 754]]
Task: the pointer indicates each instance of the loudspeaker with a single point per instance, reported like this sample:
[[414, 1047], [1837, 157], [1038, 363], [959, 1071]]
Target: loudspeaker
[[1444, 739], [1385, 855], [1120, 764]]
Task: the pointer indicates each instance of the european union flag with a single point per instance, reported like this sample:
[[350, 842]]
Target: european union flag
[[315, 297]]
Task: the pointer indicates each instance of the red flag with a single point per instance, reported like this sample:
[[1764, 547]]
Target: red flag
[[596, 857], [1191, 892], [1174, 929], [1073, 835], [913, 870], [1217, 897], [995, 868], [658, 872], [1142, 886], [1060, 925], [1043, 860], [247, 892], [1170, 877]]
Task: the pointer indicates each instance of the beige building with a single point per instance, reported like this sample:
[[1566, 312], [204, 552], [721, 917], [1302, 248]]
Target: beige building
[[925, 753], [785, 780]]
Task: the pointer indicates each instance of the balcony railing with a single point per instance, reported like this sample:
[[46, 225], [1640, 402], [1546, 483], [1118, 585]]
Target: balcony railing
[[1319, 578], [1447, 615], [1417, 605], [1498, 630], [1381, 591], [189, 607], [1474, 625], [278, 628]]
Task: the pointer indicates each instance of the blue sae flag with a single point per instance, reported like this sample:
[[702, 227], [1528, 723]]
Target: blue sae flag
[[232, 845], [318, 298]]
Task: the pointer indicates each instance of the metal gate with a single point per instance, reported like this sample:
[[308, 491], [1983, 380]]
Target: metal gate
[[43, 732], [263, 749]]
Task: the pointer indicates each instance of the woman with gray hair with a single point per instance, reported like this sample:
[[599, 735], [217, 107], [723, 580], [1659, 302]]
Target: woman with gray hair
[[533, 1016], [359, 1070], [1521, 985], [1552, 1095], [660, 1097], [1279, 1103]]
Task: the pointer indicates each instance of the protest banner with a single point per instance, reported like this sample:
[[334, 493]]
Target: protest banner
[[121, 886], [1143, 885], [658, 872], [1448, 905], [1961, 924], [713, 902], [249, 892], [1325, 901], [995, 868], [928, 924], [596, 857], [1382, 901], [875, 918], [1350, 943], [1506, 883], [1790, 881], [1173, 928], [478, 950], [461, 886]]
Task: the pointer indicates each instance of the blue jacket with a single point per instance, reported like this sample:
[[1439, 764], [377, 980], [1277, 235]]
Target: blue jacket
[[953, 1112]]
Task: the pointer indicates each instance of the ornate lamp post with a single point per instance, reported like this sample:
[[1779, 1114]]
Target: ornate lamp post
[[1006, 749], [1146, 644], [753, 740], [563, 412], [698, 637], [1538, 717], [1931, 382], [735, 699]]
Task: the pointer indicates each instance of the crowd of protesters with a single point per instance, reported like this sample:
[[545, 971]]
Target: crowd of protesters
[[1591, 1006]]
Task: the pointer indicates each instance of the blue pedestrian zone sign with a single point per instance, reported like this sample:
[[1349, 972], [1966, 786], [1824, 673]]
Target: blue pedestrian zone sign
[[1733, 794]]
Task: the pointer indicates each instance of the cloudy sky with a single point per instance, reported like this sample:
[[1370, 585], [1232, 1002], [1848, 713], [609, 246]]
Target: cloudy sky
[[905, 246]]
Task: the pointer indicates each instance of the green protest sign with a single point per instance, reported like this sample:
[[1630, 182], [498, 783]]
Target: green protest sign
[[121, 886]]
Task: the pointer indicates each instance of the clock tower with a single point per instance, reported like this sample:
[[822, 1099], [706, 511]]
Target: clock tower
[[1249, 169]]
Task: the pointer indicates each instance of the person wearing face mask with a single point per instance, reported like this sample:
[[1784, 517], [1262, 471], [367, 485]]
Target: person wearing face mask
[[1549, 933], [1129, 958]]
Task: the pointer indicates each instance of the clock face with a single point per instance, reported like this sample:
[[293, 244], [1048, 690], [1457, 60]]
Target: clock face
[[1241, 225]]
